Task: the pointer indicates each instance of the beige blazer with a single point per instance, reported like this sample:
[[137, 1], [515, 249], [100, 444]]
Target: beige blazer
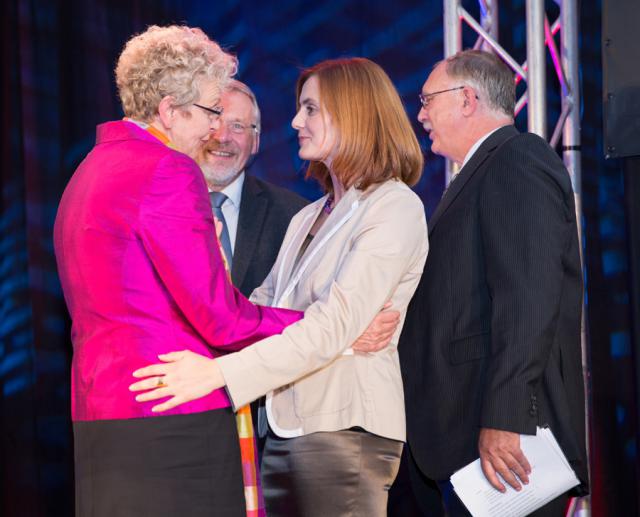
[[371, 249]]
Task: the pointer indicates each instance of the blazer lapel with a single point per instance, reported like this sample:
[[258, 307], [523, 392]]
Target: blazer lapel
[[342, 209], [253, 210], [466, 173], [338, 217], [291, 248]]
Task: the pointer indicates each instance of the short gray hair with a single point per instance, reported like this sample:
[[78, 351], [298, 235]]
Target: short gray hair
[[487, 73], [238, 86], [169, 61]]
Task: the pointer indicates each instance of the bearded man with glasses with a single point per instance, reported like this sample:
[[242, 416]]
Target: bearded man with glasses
[[255, 213]]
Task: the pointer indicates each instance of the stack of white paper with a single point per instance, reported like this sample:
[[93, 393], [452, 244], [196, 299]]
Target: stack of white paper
[[550, 477]]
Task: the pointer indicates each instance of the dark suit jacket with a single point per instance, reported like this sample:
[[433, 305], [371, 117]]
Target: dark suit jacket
[[492, 336], [265, 212]]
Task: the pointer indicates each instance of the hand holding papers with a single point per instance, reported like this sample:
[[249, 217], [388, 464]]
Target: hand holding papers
[[502, 459], [550, 477]]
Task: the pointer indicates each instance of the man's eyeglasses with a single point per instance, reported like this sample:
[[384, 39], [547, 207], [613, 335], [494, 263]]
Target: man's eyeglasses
[[213, 112], [238, 128], [425, 98]]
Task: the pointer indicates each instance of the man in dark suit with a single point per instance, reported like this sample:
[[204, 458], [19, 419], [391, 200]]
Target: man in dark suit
[[255, 213], [491, 344]]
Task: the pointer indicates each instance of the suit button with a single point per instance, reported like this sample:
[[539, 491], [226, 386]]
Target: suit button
[[532, 412]]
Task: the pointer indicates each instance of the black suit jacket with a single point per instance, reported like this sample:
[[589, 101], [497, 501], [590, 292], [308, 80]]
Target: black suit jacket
[[492, 335], [265, 212]]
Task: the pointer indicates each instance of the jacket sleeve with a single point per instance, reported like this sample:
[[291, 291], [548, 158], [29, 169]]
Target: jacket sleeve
[[177, 231], [526, 223], [389, 242]]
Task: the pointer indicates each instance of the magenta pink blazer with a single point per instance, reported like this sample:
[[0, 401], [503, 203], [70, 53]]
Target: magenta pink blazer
[[142, 273]]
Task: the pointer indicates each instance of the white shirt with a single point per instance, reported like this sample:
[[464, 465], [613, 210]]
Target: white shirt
[[478, 143], [231, 207]]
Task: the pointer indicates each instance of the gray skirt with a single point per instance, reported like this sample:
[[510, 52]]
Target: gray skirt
[[337, 474]]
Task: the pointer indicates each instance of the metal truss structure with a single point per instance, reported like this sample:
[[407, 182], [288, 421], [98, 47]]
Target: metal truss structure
[[539, 34]]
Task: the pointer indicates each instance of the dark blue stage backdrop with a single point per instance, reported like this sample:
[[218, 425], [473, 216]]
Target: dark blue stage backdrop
[[57, 84]]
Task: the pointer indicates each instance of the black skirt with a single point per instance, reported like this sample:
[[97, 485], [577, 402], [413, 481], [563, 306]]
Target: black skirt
[[167, 466]]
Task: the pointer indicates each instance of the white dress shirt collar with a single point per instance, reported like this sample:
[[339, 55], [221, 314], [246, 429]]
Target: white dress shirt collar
[[478, 143], [234, 190]]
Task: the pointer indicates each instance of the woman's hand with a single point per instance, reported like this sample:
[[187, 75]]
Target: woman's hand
[[183, 376], [379, 332]]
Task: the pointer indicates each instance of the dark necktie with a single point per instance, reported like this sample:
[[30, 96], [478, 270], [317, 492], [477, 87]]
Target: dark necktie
[[217, 199]]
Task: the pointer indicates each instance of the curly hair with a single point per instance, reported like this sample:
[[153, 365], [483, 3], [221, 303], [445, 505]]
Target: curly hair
[[168, 61]]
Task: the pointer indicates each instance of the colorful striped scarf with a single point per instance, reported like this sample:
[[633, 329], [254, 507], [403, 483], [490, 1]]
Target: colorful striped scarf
[[250, 469]]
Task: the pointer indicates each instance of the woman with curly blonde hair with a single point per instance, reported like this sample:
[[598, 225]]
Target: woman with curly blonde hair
[[142, 274]]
